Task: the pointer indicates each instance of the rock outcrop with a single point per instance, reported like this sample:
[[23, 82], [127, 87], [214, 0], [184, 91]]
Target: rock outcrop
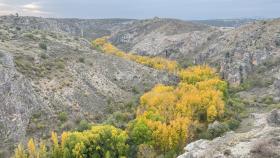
[[263, 140]]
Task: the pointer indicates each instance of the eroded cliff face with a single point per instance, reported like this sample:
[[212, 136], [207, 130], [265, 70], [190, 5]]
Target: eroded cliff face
[[262, 139], [240, 51], [18, 101]]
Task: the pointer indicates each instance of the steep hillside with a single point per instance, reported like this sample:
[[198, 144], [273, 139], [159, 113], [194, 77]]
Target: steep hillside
[[55, 81], [249, 57]]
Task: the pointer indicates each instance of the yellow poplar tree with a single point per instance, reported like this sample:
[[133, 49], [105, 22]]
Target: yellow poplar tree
[[19, 152], [32, 148]]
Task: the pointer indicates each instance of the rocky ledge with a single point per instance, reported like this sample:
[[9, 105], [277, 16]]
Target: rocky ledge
[[262, 141]]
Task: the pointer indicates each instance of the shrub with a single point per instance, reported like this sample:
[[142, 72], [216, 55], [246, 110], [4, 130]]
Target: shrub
[[43, 46], [83, 125], [146, 151], [29, 35], [119, 119], [63, 116], [135, 90], [268, 100], [277, 42], [266, 148], [43, 56], [60, 65], [214, 131], [232, 124], [82, 60], [140, 133]]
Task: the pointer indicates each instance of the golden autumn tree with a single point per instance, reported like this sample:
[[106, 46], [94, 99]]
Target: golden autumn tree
[[168, 111], [42, 150], [20, 152], [32, 152]]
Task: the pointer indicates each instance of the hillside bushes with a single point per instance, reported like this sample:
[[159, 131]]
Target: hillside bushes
[[102, 141]]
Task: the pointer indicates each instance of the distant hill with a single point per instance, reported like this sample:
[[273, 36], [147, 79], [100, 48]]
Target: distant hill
[[225, 22]]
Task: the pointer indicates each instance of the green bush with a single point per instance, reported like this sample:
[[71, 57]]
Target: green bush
[[82, 60], [232, 124], [43, 46], [62, 116], [43, 56], [60, 65], [268, 100], [135, 90], [139, 133], [214, 131], [277, 42], [119, 119], [83, 125]]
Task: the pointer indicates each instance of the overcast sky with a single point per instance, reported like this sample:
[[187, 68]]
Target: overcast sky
[[181, 9]]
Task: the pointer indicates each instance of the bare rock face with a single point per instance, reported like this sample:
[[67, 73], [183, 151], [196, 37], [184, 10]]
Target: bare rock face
[[263, 140], [18, 101], [241, 51], [274, 118]]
